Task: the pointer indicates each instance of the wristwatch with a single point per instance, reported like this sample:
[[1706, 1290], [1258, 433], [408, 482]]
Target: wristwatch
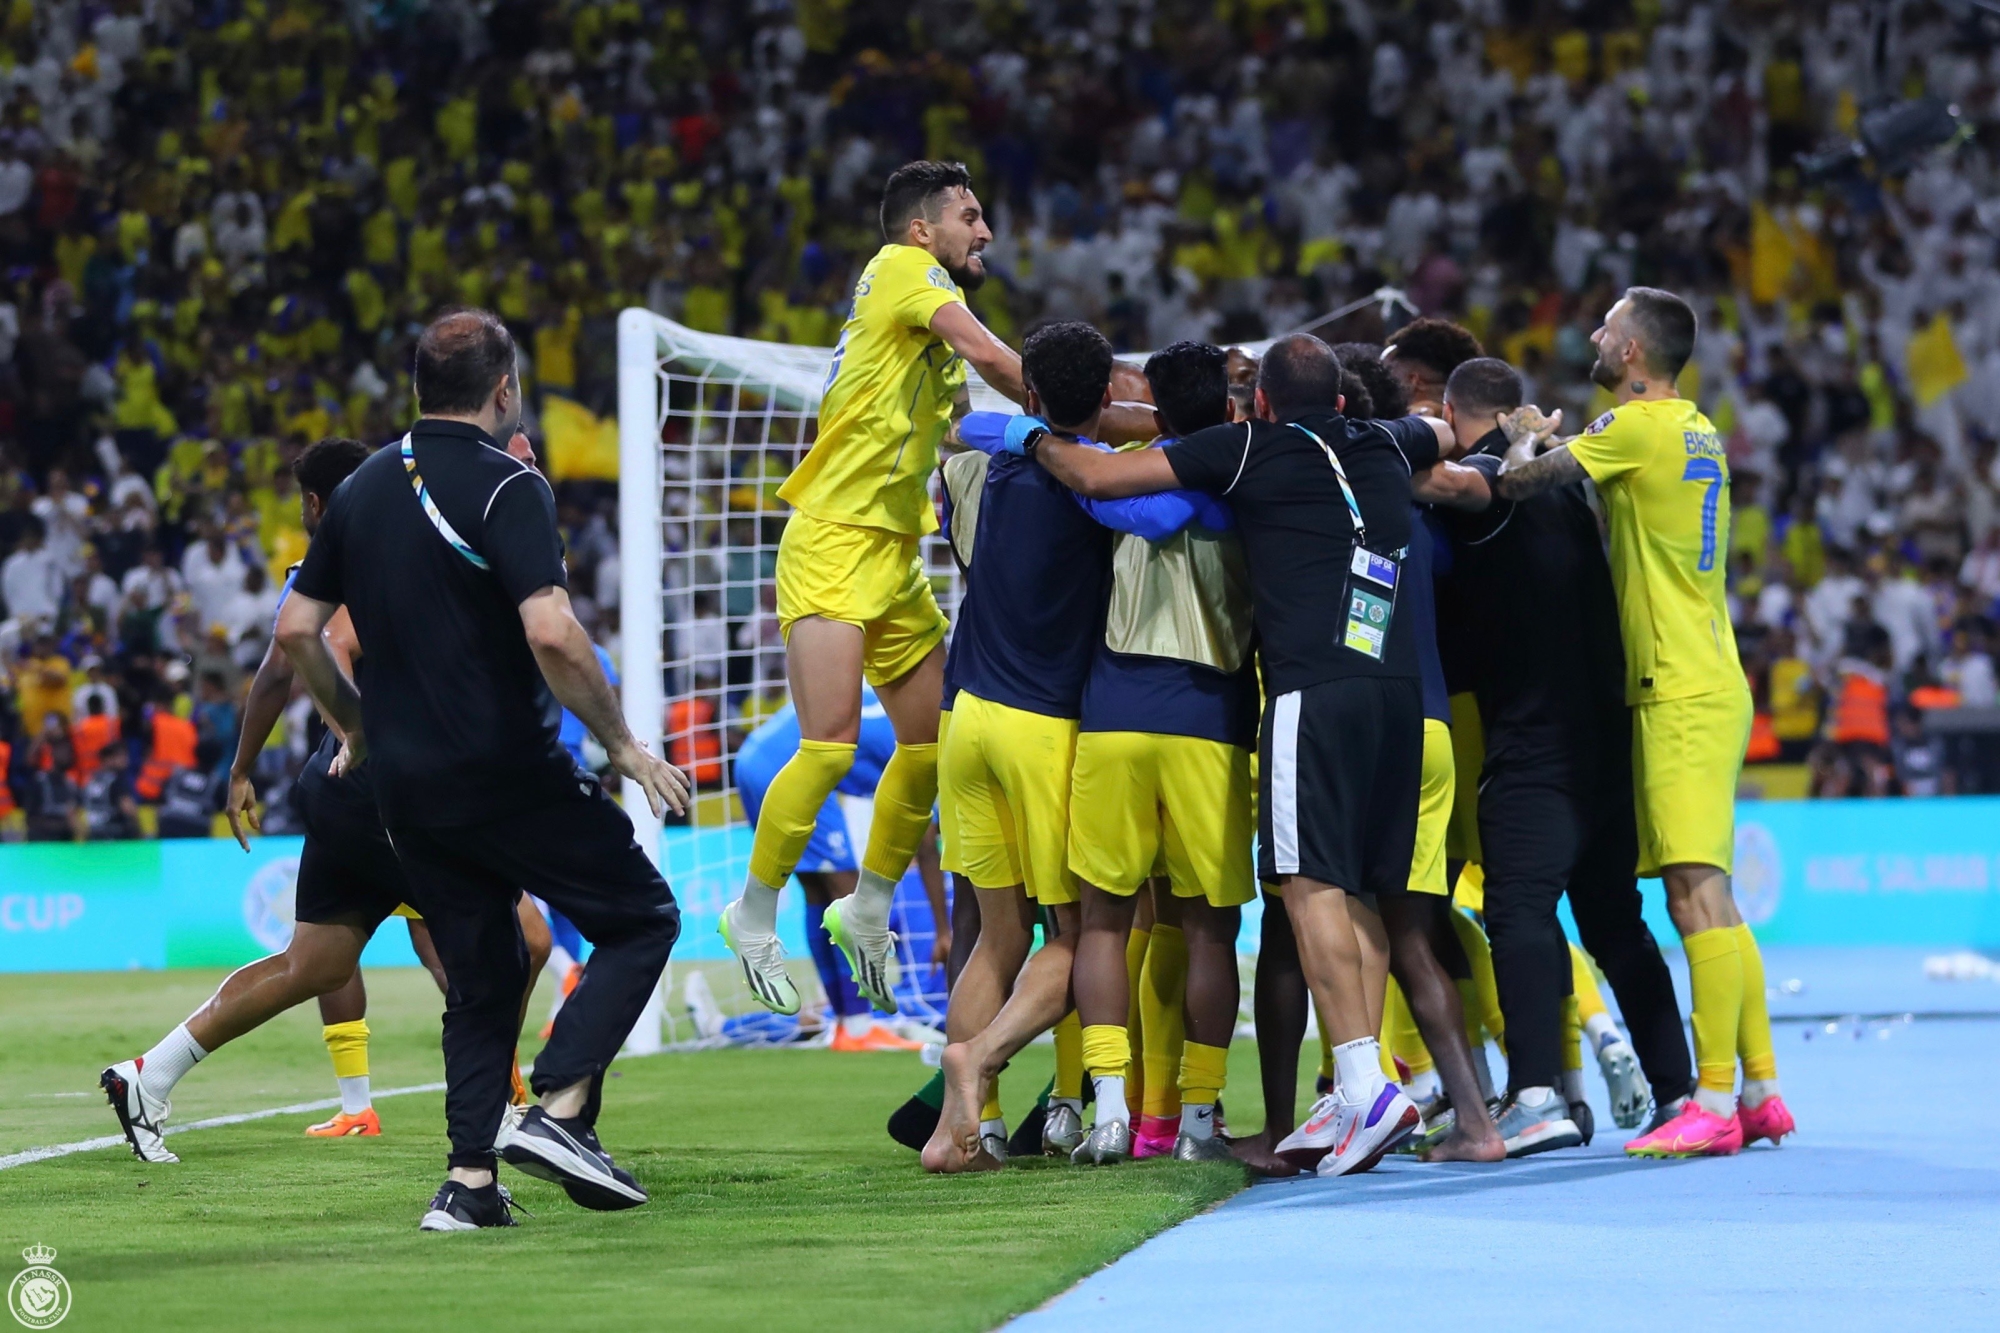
[[1035, 437]]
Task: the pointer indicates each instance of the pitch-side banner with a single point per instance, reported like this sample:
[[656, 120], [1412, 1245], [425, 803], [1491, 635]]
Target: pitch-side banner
[[1892, 872]]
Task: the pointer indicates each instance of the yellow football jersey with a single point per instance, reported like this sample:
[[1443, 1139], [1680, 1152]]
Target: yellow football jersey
[[1664, 478], [886, 403]]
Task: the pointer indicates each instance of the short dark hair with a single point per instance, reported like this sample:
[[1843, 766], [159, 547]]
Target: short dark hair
[[1437, 345], [1068, 365], [1298, 371], [1484, 384], [1385, 397], [326, 463], [460, 357], [1666, 325], [1190, 383], [912, 190]]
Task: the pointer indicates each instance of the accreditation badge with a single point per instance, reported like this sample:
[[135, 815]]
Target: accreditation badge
[[1371, 602]]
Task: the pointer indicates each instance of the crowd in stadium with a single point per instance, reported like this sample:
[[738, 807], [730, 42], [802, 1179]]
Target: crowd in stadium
[[222, 224]]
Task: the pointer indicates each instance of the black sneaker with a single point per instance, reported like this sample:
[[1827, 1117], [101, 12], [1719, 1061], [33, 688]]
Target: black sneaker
[[566, 1153], [913, 1123], [1026, 1140], [457, 1207]]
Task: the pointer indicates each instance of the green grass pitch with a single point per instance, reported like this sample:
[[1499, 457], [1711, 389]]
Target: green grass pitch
[[777, 1200]]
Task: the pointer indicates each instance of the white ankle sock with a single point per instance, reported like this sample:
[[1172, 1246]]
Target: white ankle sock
[[1572, 1086], [354, 1095], [1198, 1122], [989, 1129], [1601, 1031], [1757, 1091], [1533, 1096], [1716, 1103], [1110, 1098], [163, 1066], [867, 908], [857, 1025], [1422, 1087], [1358, 1070], [1073, 1103], [757, 909]]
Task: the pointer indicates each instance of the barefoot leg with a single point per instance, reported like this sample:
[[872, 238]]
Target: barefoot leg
[[955, 1143]]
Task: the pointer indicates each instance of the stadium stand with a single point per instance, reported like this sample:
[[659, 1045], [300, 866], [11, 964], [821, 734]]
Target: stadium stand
[[222, 222]]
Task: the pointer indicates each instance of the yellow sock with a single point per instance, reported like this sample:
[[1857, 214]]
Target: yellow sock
[[991, 1111], [792, 806], [1583, 983], [1106, 1050], [1572, 1034], [1204, 1073], [1162, 1021], [1400, 1038], [1069, 1058], [347, 1043], [1715, 975], [1483, 996], [1136, 944], [903, 801], [1753, 1030]]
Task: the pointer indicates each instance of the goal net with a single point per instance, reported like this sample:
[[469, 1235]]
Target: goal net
[[709, 426]]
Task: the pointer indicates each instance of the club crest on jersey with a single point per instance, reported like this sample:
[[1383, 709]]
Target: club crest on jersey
[[941, 279], [1599, 426]]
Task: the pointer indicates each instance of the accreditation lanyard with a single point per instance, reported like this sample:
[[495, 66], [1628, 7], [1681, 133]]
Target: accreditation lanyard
[[1372, 578], [434, 514]]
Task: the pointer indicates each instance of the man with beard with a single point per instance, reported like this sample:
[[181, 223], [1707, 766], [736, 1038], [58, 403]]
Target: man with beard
[[853, 601], [1664, 477]]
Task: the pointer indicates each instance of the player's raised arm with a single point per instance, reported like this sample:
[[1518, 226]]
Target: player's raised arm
[[997, 363], [1106, 476]]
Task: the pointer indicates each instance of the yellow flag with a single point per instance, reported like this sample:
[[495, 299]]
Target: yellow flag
[[581, 445], [1771, 256], [1935, 366]]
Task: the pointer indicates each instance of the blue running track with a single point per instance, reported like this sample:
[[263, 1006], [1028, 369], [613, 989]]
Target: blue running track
[[1882, 1214]]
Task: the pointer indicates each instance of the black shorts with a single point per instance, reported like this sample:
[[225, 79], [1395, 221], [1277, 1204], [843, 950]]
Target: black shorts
[[1339, 766], [348, 870]]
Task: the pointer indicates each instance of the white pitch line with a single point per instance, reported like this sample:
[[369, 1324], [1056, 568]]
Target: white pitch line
[[33, 1155]]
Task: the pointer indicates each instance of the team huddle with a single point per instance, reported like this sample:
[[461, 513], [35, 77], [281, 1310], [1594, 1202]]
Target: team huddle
[[1355, 599], [1340, 621]]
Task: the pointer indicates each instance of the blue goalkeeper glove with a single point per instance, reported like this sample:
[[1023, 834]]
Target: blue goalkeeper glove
[[1015, 440]]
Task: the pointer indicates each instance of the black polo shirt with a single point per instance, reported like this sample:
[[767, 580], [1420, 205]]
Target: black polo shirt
[[1298, 536], [461, 726], [1531, 586]]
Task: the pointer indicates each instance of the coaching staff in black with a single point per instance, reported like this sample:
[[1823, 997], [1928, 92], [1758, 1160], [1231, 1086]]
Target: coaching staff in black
[[445, 552]]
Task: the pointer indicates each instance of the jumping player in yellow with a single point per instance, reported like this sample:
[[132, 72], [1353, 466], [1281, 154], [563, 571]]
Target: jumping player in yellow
[[853, 601], [1661, 471]]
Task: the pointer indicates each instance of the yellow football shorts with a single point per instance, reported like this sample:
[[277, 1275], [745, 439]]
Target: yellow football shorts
[[1003, 797], [947, 853], [1686, 757], [1434, 811], [1137, 797], [1468, 756], [870, 578]]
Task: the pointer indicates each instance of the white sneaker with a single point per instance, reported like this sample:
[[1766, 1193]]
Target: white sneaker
[[868, 953], [763, 960], [1630, 1092], [994, 1140], [143, 1116], [1343, 1138]]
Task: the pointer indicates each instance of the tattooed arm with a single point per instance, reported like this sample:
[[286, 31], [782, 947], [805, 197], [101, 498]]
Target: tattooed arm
[[1524, 473]]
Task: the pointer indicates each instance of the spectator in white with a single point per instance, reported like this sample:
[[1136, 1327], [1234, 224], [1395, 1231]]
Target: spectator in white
[[65, 516], [1828, 604], [17, 178], [94, 686], [99, 591], [31, 580], [237, 222], [1761, 429], [704, 641], [149, 589], [213, 570], [1981, 569], [1852, 496], [1932, 513], [1902, 607], [1968, 669], [250, 615]]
